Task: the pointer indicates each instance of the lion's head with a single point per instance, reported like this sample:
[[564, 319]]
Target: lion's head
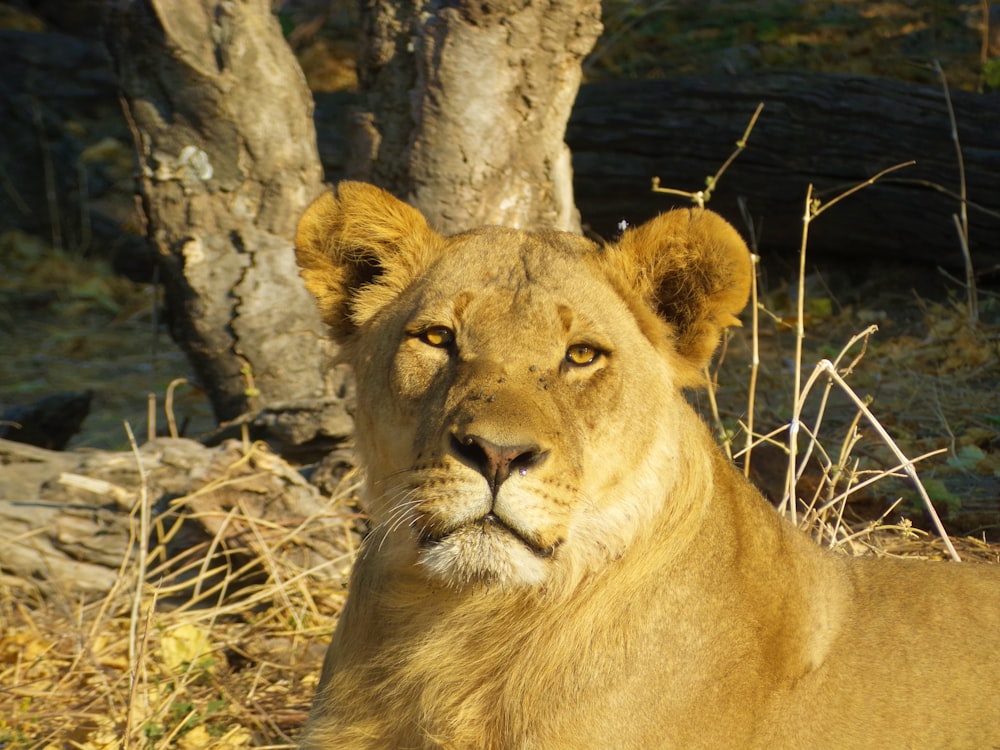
[[519, 417]]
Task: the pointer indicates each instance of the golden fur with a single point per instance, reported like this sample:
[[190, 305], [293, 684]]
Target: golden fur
[[561, 557]]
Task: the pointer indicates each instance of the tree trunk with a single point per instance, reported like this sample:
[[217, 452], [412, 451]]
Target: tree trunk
[[831, 130], [222, 121], [466, 107]]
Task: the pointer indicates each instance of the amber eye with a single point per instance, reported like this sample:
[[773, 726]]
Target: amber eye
[[438, 336], [581, 355]]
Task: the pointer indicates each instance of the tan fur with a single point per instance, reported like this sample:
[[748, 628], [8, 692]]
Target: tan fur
[[625, 587]]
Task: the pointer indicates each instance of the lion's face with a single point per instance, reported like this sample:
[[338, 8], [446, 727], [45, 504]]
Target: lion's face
[[519, 405], [488, 399]]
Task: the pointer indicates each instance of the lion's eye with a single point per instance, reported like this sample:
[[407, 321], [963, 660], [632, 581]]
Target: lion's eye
[[438, 336], [581, 355]]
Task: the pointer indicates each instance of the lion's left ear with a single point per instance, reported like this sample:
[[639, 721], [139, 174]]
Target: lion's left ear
[[693, 269]]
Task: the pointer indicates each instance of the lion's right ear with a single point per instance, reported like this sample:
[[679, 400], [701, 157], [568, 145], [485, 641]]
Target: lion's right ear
[[358, 248]]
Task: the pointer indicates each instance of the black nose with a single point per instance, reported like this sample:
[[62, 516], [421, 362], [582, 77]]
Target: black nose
[[496, 462]]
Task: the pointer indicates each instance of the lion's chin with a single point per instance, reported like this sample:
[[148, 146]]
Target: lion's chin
[[484, 555]]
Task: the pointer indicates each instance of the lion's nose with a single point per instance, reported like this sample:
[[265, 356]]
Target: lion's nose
[[496, 462]]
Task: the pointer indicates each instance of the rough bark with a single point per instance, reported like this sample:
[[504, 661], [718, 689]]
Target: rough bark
[[223, 124], [830, 130], [467, 104]]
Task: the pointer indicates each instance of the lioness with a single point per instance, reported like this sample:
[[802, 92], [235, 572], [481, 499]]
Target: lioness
[[561, 557]]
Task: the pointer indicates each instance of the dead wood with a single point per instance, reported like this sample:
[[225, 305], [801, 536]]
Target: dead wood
[[827, 129], [69, 522]]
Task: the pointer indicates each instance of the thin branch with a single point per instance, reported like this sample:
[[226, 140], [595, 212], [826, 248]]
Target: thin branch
[[813, 210], [136, 648], [962, 219], [825, 366], [820, 208], [970, 272], [168, 406], [701, 197], [971, 204], [754, 333], [740, 145]]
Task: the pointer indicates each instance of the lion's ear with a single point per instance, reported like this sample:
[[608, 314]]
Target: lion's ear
[[358, 248], [693, 269]]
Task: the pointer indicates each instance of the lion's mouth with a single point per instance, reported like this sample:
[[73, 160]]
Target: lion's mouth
[[488, 524]]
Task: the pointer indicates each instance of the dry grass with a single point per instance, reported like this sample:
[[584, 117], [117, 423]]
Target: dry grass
[[826, 472], [662, 38], [218, 648]]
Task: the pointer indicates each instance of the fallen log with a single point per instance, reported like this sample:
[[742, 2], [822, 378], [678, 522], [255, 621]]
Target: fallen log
[[70, 523], [833, 131]]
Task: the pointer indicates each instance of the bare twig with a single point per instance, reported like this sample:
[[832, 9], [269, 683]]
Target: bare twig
[[813, 210], [754, 333], [971, 291], [863, 337], [819, 208], [978, 208], [962, 218], [701, 197], [878, 476], [150, 416], [168, 405], [824, 366], [137, 647], [712, 378]]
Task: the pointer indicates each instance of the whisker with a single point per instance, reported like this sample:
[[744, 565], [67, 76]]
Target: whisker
[[399, 516]]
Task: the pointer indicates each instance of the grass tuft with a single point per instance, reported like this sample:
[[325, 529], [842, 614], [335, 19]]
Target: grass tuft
[[218, 648]]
